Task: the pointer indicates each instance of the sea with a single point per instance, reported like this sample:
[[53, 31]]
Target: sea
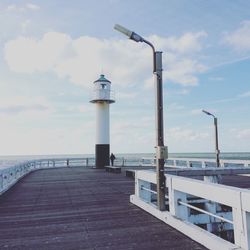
[[8, 161]]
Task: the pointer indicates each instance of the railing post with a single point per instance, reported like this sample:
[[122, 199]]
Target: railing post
[[203, 164], [238, 226], [143, 194], [139, 192], [174, 162], [174, 197], [241, 219], [210, 207], [211, 178], [246, 223]]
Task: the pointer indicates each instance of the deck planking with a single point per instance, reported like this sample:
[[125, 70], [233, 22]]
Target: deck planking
[[240, 181], [81, 208]]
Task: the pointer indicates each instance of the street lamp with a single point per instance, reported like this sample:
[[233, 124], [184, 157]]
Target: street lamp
[[217, 151], [161, 150]]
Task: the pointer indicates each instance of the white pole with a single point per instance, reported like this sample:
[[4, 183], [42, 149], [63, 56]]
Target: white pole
[[102, 123]]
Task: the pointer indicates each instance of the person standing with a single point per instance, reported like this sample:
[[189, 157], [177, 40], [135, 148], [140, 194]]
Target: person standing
[[112, 158]]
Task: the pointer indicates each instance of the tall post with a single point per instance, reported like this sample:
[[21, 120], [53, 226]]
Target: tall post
[[217, 151], [161, 151], [159, 130]]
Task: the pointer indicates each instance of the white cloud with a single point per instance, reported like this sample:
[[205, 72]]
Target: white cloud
[[28, 6], [134, 133], [243, 134], [57, 140], [183, 92], [11, 7], [25, 24], [187, 43], [240, 38], [80, 60], [178, 134], [26, 55], [196, 111], [126, 96], [80, 109], [32, 6], [177, 92], [175, 107], [24, 105], [216, 78], [246, 94], [22, 108], [184, 71]]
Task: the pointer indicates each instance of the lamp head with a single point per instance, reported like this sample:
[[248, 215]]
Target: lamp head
[[130, 34], [207, 113]]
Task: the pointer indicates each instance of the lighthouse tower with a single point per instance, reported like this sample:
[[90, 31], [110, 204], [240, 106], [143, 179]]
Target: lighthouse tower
[[102, 98]]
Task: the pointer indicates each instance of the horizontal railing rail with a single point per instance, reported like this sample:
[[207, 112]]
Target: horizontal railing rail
[[205, 212]]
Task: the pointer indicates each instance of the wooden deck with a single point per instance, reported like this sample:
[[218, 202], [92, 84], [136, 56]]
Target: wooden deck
[[80, 208], [236, 181]]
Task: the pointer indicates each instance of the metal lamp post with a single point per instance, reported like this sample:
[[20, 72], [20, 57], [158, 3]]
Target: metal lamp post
[[217, 151], [161, 151]]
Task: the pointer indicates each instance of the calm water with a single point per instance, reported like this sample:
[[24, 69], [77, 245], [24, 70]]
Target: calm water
[[7, 161]]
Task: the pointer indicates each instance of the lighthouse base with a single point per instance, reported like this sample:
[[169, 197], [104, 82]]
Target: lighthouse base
[[101, 155]]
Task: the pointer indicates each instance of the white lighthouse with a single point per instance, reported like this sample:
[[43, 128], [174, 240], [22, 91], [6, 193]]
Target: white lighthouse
[[102, 97]]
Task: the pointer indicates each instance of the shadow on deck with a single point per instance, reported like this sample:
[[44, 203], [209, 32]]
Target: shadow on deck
[[80, 208]]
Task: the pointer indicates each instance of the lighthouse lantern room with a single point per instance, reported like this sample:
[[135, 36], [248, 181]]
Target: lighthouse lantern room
[[102, 97]]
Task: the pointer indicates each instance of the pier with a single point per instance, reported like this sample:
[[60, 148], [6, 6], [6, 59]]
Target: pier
[[68, 204], [80, 208]]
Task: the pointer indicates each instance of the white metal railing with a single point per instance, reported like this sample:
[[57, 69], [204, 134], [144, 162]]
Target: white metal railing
[[203, 163], [134, 161], [9, 176], [220, 209]]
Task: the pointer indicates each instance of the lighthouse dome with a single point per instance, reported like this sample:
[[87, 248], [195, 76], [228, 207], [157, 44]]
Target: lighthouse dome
[[102, 79]]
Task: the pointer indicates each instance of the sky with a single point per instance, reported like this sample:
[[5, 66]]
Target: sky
[[51, 52]]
